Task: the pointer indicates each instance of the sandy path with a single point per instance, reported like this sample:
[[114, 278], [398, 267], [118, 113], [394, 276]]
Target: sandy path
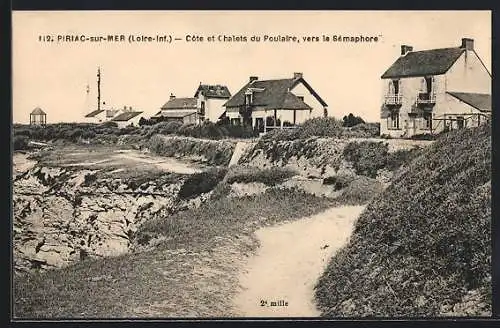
[[290, 259]]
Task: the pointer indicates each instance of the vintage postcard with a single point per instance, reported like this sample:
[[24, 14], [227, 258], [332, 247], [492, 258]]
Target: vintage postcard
[[251, 164]]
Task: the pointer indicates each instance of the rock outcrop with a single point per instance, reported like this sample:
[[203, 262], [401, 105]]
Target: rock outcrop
[[62, 215]]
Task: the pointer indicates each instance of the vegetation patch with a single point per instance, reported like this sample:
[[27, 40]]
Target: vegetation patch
[[360, 191], [367, 157], [200, 183], [328, 127], [214, 152], [422, 247], [207, 130]]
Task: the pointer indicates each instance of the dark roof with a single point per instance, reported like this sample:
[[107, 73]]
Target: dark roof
[[38, 111], [181, 103], [94, 113], [213, 91], [126, 116], [276, 94], [172, 113], [426, 62], [481, 101]]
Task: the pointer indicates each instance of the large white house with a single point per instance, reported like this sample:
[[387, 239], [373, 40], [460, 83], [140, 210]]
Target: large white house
[[267, 104], [425, 92]]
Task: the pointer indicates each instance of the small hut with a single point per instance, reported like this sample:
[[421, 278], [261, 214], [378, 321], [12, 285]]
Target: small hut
[[38, 117]]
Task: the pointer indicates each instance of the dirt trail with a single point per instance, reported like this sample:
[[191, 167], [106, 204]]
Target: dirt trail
[[290, 259]]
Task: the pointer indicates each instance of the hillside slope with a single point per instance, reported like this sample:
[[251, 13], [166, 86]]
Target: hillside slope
[[421, 248]]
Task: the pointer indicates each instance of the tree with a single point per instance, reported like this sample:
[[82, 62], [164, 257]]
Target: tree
[[351, 120]]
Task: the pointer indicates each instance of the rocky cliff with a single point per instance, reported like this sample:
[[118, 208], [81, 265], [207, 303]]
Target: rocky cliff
[[65, 214]]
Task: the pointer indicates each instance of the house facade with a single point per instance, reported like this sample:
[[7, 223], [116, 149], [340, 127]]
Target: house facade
[[184, 110], [277, 103], [210, 101], [426, 92]]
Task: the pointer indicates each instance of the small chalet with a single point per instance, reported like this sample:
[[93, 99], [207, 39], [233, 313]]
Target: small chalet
[[38, 117], [127, 117], [96, 116], [433, 90], [277, 103], [184, 110]]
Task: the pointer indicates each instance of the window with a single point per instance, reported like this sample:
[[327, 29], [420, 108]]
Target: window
[[235, 121], [394, 87], [248, 99], [460, 122], [427, 120], [301, 97], [395, 120], [202, 109]]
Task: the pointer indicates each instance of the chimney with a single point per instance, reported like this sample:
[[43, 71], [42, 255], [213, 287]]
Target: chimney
[[405, 49], [253, 78], [297, 75], [467, 44], [172, 96]]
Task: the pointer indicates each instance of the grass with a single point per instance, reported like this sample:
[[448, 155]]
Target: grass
[[163, 279], [423, 243]]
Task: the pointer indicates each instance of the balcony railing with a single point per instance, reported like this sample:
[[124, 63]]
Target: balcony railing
[[426, 98], [393, 99]]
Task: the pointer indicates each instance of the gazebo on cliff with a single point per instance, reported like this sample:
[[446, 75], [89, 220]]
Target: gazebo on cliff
[[38, 117]]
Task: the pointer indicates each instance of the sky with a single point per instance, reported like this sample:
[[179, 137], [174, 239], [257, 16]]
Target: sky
[[54, 75]]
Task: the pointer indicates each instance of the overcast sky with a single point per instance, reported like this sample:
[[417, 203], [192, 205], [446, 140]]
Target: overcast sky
[[54, 76]]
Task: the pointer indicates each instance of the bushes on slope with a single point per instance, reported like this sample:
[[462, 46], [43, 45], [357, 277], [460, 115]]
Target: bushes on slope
[[424, 244], [215, 153]]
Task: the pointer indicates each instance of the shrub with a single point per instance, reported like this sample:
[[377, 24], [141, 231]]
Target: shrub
[[20, 142], [423, 136], [351, 120], [200, 183], [109, 124], [339, 181], [321, 127], [248, 174], [367, 157], [363, 130]]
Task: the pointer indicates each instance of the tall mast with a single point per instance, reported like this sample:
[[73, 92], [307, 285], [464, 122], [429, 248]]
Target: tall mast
[[98, 88]]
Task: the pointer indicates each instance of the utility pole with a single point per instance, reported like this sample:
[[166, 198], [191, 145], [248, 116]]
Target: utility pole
[[98, 88]]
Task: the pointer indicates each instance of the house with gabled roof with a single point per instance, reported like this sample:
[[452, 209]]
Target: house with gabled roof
[[210, 101], [127, 117], [184, 110], [96, 116], [426, 92], [276, 103]]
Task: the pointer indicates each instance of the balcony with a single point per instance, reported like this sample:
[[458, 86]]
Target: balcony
[[393, 99], [425, 98]]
